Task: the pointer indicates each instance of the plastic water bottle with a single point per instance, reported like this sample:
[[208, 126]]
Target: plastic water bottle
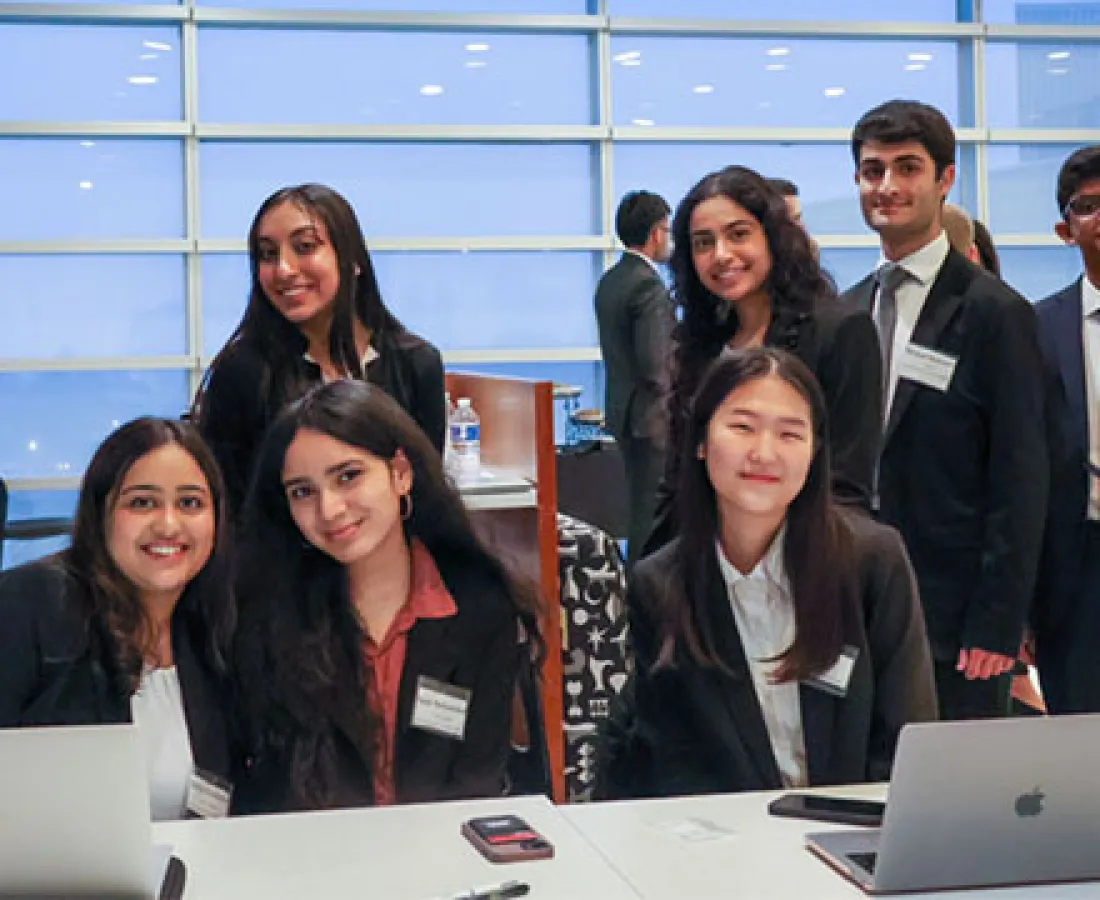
[[465, 430], [448, 447]]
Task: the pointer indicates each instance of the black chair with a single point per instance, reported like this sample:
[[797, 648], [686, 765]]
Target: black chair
[[529, 766], [28, 529]]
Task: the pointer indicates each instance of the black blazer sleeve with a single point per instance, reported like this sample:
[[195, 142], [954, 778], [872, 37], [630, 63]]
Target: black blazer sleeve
[[430, 410], [233, 419], [904, 688], [651, 313], [850, 372], [22, 590]]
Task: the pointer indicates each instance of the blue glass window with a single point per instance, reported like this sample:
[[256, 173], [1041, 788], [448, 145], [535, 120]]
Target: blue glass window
[[551, 7], [871, 10], [1043, 85], [93, 306], [62, 188], [849, 266], [1074, 13], [1037, 272], [85, 72], [772, 82], [410, 190], [1022, 180], [824, 174], [458, 301], [401, 78], [53, 421], [36, 505]]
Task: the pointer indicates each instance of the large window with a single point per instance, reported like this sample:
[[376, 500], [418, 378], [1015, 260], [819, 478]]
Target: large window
[[484, 145]]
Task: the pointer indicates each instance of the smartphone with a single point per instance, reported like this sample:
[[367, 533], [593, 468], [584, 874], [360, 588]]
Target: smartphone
[[829, 809], [503, 839]]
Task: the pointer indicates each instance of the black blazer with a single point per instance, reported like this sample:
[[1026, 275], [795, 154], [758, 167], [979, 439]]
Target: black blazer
[[839, 344], [54, 671], [964, 472], [634, 316], [683, 729], [478, 648], [236, 410]]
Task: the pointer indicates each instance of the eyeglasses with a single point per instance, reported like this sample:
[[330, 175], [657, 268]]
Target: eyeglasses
[[1083, 206]]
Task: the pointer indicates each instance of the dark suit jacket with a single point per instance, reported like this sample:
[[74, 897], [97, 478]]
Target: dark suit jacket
[[54, 671], [1061, 339], [634, 315], [477, 649], [964, 472], [237, 409], [839, 344], [684, 729]]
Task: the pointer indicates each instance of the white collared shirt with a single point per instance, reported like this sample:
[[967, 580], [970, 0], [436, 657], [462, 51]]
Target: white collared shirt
[[1090, 311], [652, 264], [368, 357], [764, 615], [923, 267]]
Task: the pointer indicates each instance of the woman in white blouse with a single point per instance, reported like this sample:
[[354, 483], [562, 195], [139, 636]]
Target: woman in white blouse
[[128, 623], [778, 640]]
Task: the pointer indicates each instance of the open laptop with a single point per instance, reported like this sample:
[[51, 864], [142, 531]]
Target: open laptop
[[978, 804], [75, 819]]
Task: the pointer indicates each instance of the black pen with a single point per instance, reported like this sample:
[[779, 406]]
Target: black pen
[[505, 891]]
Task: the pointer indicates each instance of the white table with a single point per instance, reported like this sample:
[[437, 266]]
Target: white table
[[763, 858], [398, 853]]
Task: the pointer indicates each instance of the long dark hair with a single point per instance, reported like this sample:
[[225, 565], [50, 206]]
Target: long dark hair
[[278, 342], [818, 552], [796, 283], [112, 605], [299, 655]]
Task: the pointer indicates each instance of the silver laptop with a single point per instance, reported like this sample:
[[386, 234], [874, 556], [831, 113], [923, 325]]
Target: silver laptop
[[979, 804], [75, 819]]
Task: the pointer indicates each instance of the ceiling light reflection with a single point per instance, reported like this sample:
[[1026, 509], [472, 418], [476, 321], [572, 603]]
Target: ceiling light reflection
[[703, 89], [431, 90], [834, 92], [477, 48]]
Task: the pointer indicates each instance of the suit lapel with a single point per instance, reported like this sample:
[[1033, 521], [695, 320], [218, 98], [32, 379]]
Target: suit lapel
[[432, 651], [1071, 358], [819, 711], [937, 313], [202, 707], [743, 722], [860, 295]]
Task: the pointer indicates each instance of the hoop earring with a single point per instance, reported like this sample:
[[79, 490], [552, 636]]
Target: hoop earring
[[406, 506]]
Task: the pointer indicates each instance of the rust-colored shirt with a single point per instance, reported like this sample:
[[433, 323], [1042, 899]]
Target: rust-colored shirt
[[428, 599]]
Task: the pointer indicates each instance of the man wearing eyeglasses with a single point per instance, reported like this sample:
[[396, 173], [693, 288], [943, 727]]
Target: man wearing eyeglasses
[[1069, 331]]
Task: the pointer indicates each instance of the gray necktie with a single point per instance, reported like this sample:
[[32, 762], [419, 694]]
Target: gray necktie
[[890, 277]]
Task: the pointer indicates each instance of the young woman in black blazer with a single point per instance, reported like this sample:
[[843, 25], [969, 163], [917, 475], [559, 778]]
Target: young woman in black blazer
[[746, 275], [315, 314], [365, 599], [779, 640], [130, 623]]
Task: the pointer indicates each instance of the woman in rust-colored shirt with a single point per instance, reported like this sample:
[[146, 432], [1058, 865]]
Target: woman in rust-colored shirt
[[379, 641]]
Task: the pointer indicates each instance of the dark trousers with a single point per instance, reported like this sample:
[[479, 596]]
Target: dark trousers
[[961, 698], [1081, 666], [644, 461]]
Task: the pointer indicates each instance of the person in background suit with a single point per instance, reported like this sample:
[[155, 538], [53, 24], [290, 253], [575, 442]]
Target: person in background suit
[[1068, 642], [131, 623], [315, 314], [366, 604], [634, 317], [988, 258], [963, 473], [959, 228], [778, 641], [745, 275]]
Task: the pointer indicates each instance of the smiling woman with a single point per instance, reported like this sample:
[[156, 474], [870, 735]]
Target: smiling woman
[[131, 623]]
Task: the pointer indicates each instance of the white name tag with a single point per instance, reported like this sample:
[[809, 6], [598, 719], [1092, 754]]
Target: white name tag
[[207, 795], [835, 680], [926, 366], [440, 708]]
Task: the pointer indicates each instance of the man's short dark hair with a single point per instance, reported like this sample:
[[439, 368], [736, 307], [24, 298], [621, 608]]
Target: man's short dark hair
[[1083, 165], [783, 187], [898, 121], [638, 212]]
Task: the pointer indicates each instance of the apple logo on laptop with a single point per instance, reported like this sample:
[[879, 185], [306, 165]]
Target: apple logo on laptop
[[1030, 804]]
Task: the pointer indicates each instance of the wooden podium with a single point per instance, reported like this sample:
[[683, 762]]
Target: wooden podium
[[517, 437]]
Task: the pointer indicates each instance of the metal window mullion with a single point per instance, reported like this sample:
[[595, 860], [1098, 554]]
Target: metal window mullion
[[607, 146], [189, 59], [981, 122]]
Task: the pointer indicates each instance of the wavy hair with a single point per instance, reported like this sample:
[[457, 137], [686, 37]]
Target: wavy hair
[[796, 284], [818, 554], [112, 607], [358, 299], [299, 666]]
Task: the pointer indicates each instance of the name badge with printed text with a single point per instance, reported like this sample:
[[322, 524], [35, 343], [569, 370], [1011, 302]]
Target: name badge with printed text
[[834, 680], [927, 366], [440, 708], [207, 796]]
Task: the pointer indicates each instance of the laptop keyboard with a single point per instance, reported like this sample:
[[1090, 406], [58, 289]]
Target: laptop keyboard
[[865, 860]]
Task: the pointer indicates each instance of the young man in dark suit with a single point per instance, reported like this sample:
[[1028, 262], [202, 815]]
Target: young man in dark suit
[[963, 470], [634, 315], [1068, 641]]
